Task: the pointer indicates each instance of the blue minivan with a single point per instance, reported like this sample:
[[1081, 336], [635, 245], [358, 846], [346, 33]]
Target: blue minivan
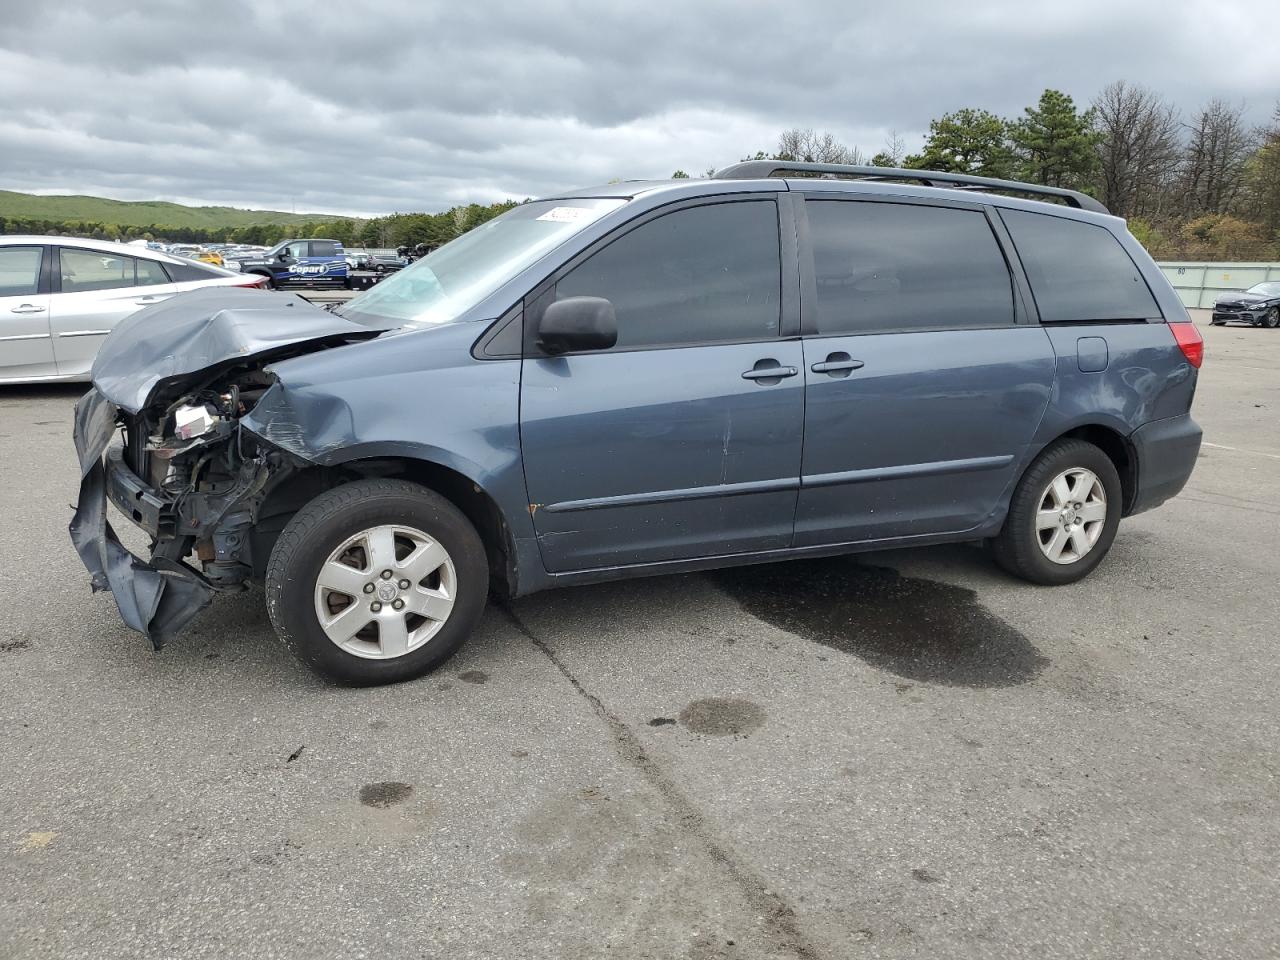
[[785, 360]]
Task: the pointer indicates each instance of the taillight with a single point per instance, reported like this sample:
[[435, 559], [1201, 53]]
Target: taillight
[[255, 281], [1189, 342]]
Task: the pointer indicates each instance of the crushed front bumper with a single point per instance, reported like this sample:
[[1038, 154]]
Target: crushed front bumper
[[156, 598]]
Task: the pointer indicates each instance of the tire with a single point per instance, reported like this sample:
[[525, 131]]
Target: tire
[[355, 523], [1272, 318], [1018, 547]]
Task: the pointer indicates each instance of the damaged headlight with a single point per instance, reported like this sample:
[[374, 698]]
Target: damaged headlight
[[192, 421]]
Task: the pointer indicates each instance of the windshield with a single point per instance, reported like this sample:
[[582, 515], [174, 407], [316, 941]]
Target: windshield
[[447, 282], [1271, 289]]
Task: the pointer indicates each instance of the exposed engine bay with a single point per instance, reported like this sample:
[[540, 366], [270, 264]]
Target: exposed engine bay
[[208, 474]]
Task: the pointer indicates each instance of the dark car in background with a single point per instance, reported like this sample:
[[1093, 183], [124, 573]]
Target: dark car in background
[[636, 379], [1259, 306], [301, 263]]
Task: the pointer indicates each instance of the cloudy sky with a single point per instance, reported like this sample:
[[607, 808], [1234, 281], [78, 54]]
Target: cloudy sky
[[369, 107]]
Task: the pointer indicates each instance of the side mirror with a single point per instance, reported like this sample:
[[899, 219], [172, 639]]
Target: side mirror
[[283, 256], [578, 323]]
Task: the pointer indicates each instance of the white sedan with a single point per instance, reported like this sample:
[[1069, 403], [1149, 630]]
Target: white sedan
[[59, 297]]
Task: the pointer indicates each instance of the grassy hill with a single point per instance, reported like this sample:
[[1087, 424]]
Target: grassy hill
[[142, 213]]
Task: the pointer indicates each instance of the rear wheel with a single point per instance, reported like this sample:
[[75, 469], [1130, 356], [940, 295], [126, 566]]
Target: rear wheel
[[1063, 516], [376, 581]]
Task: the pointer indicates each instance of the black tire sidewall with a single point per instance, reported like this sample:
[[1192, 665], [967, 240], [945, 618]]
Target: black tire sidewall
[[1018, 548], [317, 529]]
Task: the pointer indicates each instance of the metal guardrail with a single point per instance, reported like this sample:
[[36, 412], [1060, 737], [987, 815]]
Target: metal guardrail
[[1200, 283]]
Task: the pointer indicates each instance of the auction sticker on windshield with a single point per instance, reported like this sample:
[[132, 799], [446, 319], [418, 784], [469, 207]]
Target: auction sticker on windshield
[[568, 214]]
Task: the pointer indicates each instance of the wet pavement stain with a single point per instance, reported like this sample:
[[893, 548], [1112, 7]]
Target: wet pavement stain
[[383, 795], [473, 676], [13, 644], [662, 721], [721, 717], [920, 630]]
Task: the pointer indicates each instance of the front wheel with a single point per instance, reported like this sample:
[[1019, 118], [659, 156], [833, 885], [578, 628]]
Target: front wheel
[[1272, 318], [376, 581], [1063, 516]]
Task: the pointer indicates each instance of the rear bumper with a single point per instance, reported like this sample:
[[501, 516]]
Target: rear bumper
[[1166, 454]]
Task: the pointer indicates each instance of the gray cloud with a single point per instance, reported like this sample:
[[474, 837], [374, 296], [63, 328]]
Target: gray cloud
[[376, 107]]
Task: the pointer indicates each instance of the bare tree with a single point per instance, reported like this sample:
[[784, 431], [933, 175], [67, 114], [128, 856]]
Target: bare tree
[[1139, 148], [1213, 169], [812, 147], [893, 153]]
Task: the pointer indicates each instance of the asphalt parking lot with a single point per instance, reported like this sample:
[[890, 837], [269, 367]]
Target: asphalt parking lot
[[911, 755]]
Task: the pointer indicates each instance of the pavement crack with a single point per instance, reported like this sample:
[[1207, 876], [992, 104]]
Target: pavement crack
[[780, 917]]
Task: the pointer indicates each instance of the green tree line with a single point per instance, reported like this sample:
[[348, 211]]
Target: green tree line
[[1200, 187], [398, 229]]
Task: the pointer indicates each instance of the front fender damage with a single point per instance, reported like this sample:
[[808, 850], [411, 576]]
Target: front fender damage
[[178, 378]]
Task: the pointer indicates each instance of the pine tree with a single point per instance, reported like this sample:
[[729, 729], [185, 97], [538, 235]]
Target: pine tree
[[1056, 144], [967, 141]]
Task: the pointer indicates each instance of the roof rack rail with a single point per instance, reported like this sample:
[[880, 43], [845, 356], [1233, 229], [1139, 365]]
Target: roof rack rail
[[762, 169]]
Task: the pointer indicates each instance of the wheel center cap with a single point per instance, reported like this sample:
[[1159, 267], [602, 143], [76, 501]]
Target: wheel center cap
[[387, 591], [1069, 515]]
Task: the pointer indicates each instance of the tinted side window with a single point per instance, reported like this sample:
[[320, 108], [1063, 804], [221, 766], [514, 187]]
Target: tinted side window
[[895, 266], [19, 271], [695, 275], [85, 270], [297, 249], [1077, 270], [150, 273], [186, 272], [325, 248]]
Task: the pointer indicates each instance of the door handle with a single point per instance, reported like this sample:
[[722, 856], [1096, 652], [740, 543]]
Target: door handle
[[27, 308], [837, 364], [767, 372]]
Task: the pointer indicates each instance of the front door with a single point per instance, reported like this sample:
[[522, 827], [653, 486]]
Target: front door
[[26, 347], [683, 440], [922, 388]]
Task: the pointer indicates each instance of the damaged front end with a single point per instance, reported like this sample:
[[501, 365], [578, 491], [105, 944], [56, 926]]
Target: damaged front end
[[175, 382]]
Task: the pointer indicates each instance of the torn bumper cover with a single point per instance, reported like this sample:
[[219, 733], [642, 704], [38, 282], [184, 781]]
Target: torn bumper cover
[[158, 598]]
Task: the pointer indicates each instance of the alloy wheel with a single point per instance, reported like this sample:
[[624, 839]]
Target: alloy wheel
[[385, 592], [1071, 516]]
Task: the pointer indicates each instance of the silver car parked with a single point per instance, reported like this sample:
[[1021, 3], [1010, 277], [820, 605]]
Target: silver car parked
[[60, 297]]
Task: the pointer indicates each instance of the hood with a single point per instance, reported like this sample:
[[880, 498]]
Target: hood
[[1241, 296], [193, 336]]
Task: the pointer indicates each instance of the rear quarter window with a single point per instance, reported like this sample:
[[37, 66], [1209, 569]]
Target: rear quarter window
[[1078, 271], [325, 248], [187, 272]]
